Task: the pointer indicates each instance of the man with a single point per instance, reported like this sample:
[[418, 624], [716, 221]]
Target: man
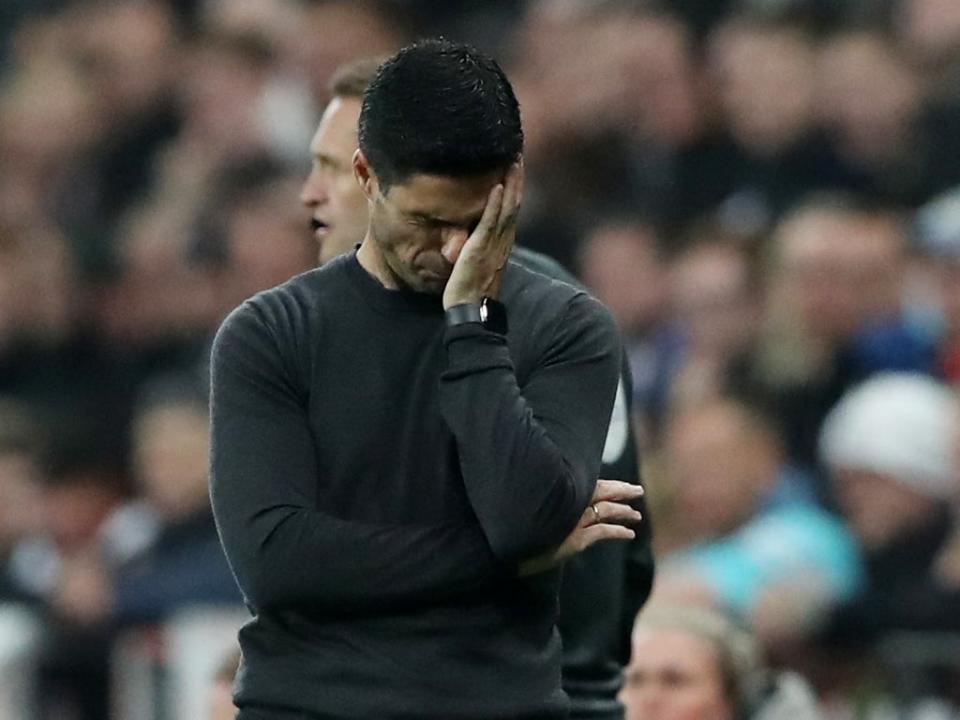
[[604, 587], [387, 534]]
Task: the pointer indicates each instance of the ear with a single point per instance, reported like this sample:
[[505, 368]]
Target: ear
[[366, 177]]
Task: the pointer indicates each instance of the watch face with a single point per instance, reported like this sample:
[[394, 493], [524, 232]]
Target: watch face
[[493, 315]]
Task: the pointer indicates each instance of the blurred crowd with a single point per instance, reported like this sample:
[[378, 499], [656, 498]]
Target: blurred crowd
[[765, 193]]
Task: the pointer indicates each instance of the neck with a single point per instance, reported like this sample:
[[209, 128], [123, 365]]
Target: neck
[[371, 260]]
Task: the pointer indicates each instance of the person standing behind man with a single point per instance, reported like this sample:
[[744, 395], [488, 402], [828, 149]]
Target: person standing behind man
[[396, 463], [604, 587]]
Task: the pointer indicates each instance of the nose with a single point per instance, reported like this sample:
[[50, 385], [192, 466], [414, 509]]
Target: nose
[[453, 242], [314, 191]]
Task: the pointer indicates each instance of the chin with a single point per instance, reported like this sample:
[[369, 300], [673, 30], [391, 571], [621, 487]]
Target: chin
[[427, 287]]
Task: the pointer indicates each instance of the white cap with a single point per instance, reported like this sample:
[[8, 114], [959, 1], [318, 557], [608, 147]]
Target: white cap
[[936, 227], [900, 425]]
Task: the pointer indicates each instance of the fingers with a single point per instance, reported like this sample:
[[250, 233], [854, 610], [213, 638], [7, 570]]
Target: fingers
[[609, 512], [616, 490], [491, 212], [502, 239], [605, 512], [513, 190], [603, 531]]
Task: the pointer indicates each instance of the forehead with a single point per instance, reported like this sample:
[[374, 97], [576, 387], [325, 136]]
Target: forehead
[[658, 647], [337, 131], [445, 197]]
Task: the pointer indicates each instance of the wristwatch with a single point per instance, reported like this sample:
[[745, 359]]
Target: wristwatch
[[490, 313]]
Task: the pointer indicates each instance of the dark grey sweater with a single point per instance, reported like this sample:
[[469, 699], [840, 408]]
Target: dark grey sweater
[[377, 478]]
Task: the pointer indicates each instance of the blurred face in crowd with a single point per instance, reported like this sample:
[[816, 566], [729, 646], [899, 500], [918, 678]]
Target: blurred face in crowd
[[765, 81], [222, 95], [879, 509], [931, 28], [621, 265], [673, 675], [266, 239], [841, 269], [346, 27], [868, 95], [37, 284], [48, 116], [171, 451], [75, 508], [667, 96], [718, 463], [417, 223], [336, 201], [129, 51], [710, 293], [820, 284]]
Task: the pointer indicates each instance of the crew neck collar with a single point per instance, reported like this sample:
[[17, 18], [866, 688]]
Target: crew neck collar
[[373, 292]]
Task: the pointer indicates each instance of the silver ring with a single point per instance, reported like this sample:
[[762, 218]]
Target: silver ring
[[596, 512]]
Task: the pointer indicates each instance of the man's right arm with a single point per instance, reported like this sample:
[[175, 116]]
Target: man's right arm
[[264, 481]]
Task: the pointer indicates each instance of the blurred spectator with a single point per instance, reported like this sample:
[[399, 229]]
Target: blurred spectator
[[834, 314], [261, 227], [350, 29], [49, 356], [872, 102], [580, 156], [48, 121], [623, 265], [184, 564], [694, 664], [930, 30], [744, 533], [158, 312], [716, 306], [764, 74], [222, 97], [890, 445], [682, 161], [161, 553], [128, 55], [937, 238], [81, 489]]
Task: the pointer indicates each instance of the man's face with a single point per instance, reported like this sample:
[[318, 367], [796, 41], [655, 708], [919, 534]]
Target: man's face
[[337, 203], [419, 226], [880, 509], [673, 675]]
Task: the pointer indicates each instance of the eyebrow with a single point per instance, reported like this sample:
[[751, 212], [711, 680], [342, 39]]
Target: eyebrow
[[426, 217], [328, 158]]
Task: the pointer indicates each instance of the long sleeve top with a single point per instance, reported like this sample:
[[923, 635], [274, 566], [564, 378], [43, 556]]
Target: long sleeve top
[[605, 586], [377, 477]]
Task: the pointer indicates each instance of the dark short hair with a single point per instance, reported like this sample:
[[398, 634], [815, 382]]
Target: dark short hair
[[439, 108], [352, 79]]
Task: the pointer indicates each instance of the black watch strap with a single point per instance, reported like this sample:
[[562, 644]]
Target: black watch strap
[[488, 312]]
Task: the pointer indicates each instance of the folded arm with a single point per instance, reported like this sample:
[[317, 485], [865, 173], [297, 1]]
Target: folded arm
[[530, 458], [264, 480]]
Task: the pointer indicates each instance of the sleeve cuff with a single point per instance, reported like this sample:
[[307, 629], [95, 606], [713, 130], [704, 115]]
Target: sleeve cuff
[[471, 349]]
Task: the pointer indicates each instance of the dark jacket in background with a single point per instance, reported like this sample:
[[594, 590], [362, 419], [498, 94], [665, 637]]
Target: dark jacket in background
[[605, 586]]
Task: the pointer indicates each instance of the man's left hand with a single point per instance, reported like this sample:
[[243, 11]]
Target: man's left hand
[[603, 520]]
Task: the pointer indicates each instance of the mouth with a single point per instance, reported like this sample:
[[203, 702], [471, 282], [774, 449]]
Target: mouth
[[319, 227]]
